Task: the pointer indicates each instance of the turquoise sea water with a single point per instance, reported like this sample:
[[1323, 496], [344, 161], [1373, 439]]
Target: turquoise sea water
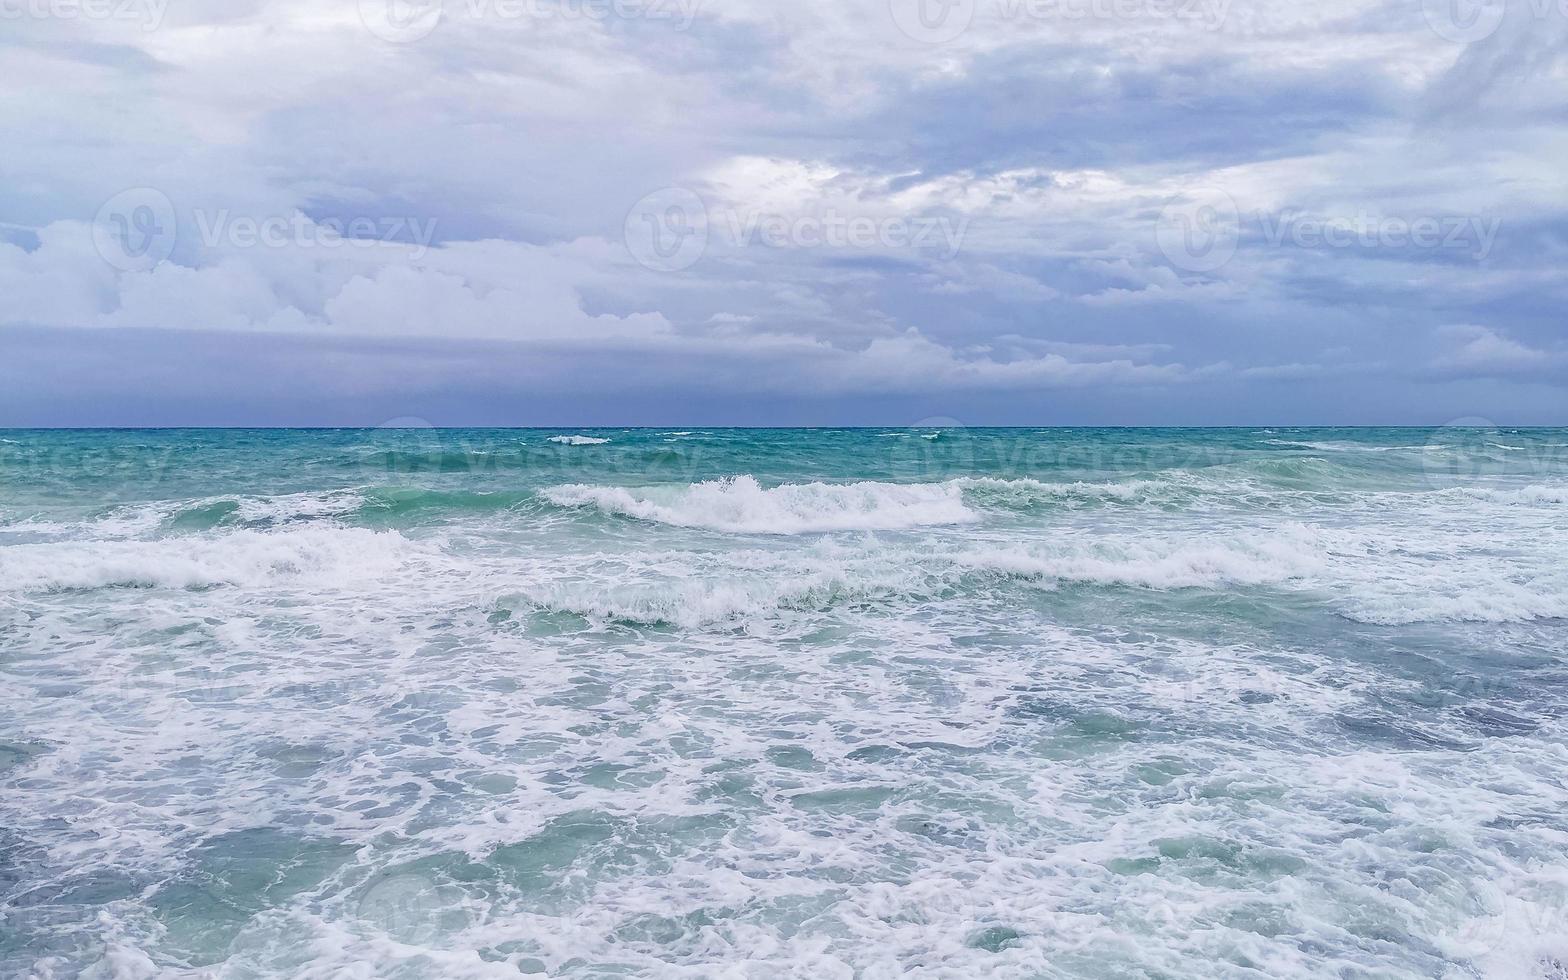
[[825, 703]]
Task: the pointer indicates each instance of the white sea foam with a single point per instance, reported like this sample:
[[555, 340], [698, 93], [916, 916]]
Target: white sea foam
[[578, 440], [1382, 575], [764, 586], [1028, 490], [1290, 554], [299, 506], [307, 555], [699, 602], [1534, 494], [1363, 578], [742, 505], [138, 520], [858, 754], [1496, 600], [1342, 447]]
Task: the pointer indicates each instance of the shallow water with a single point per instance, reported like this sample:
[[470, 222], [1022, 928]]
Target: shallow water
[[826, 703]]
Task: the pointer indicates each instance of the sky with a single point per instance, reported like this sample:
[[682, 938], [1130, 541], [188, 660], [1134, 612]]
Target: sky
[[751, 212]]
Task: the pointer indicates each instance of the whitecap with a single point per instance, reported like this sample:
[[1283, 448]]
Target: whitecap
[[317, 555], [1291, 554], [742, 505]]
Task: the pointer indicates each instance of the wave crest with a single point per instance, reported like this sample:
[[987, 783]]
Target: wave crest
[[740, 504], [314, 555]]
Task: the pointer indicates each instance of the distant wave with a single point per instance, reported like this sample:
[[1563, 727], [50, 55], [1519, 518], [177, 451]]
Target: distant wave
[[745, 596], [137, 520], [1023, 492], [761, 585], [1251, 560], [316, 555], [740, 504], [1342, 447], [1496, 602], [1362, 576], [1527, 495], [578, 440]]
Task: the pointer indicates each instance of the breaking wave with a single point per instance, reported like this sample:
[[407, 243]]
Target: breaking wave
[[316, 556], [742, 505]]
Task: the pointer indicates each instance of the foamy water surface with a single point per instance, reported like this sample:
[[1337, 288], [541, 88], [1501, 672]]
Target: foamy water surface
[[826, 703]]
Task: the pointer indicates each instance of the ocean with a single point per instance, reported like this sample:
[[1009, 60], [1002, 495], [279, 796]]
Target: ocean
[[944, 702]]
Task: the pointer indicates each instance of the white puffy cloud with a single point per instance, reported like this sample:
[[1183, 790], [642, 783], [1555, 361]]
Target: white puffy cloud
[[1476, 351], [1013, 179]]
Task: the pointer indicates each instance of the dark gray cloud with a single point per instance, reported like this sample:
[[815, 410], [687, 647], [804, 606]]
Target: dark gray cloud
[[1070, 211]]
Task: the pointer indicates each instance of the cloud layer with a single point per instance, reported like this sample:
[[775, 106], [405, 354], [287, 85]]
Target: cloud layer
[[995, 210]]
